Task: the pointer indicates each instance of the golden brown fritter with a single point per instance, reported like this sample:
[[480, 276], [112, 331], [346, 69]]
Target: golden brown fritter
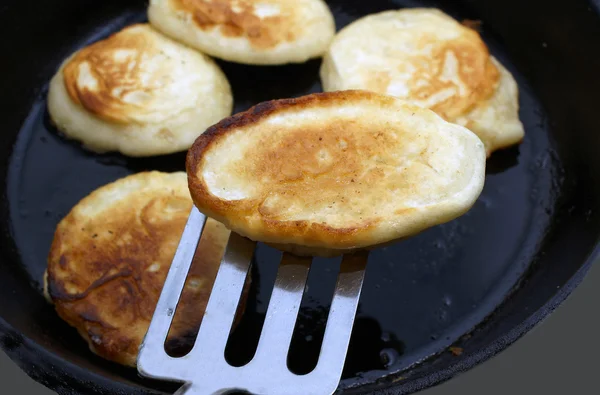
[[240, 19], [110, 257], [426, 57], [328, 173], [248, 31], [139, 93]]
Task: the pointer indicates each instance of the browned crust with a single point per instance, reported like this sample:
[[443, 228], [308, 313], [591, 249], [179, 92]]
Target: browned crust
[[109, 74], [475, 69], [266, 109], [107, 290], [233, 213], [262, 33], [482, 83]]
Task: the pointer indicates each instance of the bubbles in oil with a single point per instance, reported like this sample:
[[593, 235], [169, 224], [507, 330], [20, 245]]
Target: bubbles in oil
[[389, 357], [393, 349], [588, 215], [442, 315], [447, 300], [372, 348], [485, 201], [546, 167]]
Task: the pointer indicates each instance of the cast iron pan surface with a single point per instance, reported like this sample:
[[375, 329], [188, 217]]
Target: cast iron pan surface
[[477, 283]]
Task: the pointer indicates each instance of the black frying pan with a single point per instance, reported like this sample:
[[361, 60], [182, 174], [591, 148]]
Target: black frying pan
[[477, 283]]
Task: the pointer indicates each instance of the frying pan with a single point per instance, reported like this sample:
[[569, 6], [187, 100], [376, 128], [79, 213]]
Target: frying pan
[[472, 286]]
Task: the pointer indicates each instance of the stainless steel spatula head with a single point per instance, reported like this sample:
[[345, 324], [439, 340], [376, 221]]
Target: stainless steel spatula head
[[204, 369]]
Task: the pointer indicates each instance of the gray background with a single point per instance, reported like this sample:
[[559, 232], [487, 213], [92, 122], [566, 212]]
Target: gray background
[[558, 357]]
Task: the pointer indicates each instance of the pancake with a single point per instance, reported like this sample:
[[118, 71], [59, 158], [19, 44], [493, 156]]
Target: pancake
[[424, 56], [259, 32], [138, 93], [337, 172], [110, 257]]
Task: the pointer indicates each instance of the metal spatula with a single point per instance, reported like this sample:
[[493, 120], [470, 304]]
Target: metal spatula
[[204, 370]]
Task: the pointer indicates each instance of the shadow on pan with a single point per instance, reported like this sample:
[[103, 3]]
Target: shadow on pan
[[477, 283]]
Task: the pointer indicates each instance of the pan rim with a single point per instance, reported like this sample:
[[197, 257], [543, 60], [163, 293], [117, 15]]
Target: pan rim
[[33, 358], [73, 372], [503, 342]]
